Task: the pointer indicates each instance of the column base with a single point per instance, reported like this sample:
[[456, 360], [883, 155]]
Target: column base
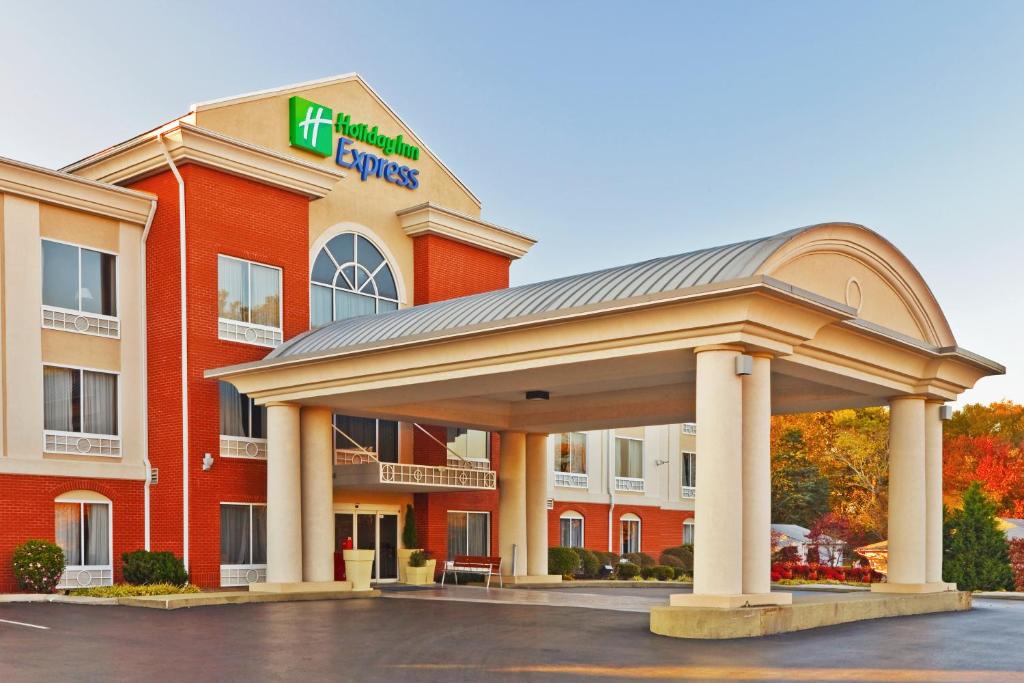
[[935, 587], [729, 601], [301, 587]]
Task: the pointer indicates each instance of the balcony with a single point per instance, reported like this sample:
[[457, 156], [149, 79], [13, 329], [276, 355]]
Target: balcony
[[689, 428], [360, 469], [469, 463], [629, 484], [689, 492], [572, 480]]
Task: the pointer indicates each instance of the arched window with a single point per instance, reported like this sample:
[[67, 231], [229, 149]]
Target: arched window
[[570, 525], [350, 277], [688, 526], [629, 533], [83, 529]]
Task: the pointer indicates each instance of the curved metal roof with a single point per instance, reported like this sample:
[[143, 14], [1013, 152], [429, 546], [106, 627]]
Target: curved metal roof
[[664, 274]]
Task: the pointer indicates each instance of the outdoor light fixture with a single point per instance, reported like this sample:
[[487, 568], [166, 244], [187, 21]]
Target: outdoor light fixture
[[945, 413], [537, 395], [207, 462], [744, 364]]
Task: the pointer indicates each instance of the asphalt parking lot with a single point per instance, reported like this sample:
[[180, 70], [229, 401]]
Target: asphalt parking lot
[[430, 640]]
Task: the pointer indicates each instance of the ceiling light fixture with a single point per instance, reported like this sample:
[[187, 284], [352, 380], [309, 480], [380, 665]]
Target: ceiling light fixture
[[537, 395]]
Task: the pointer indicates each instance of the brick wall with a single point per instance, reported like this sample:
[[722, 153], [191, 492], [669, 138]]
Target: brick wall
[[236, 217], [659, 529], [27, 512]]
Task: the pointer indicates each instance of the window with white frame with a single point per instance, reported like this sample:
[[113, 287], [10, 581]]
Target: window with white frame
[[350, 277], [79, 279], [243, 534], [469, 533], [629, 533], [572, 453], [80, 411], [83, 532], [248, 301], [469, 444], [629, 457], [688, 526], [570, 525], [689, 474], [243, 425], [358, 434]]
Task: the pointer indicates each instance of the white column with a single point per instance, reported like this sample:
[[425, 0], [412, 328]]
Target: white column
[[284, 520], [536, 504], [757, 487], [317, 458], [512, 503], [907, 522], [933, 491], [718, 542]]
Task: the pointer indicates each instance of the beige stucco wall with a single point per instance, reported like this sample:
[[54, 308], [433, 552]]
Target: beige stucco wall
[[353, 204], [27, 346]]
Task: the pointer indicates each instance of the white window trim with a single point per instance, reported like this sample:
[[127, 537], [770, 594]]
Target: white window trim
[[687, 491], [572, 515], [689, 522], [79, 568], [389, 261], [643, 468], [470, 512], [256, 570], [632, 517], [372, 237], [276, 334], [115, 439], [584, 473], [79, 313]]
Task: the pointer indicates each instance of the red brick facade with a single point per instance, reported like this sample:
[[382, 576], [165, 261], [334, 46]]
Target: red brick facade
[[26, 508], [659, 528]]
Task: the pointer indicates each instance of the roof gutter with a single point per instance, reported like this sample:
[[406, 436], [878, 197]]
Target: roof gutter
[[184, 348]]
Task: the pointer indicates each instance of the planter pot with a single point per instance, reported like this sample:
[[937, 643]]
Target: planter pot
[[419, 576], [359, 568], [403, 562]]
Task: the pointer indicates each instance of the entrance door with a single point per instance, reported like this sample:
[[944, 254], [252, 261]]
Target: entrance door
[[376, 531]]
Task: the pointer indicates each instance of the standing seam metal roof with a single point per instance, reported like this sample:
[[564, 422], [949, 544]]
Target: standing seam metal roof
[[664, 274]]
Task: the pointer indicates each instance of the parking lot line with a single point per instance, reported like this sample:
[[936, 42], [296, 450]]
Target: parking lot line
[[21, 623]]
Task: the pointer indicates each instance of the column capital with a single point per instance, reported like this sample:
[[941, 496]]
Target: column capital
[[738, 348], [280, 404], [908, 397]]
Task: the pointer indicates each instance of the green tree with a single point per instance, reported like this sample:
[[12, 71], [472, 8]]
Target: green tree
[[975, 552], [409, 539], [800, 493]]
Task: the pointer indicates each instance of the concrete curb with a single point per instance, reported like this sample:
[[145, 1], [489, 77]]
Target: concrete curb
[[56, 598], [1000, 595], [602, 583], [181, 600]]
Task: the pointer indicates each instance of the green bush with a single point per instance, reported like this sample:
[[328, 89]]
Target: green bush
[[680, 573], [126, 590], [975, 553], [564, 561], [606, 558], [409, 538], [640, 559], [38, 565], [670, 561], [683, 554], [647, 572], [589, 563], [418, 559], [664, 572], [626, 570], [144, 568]]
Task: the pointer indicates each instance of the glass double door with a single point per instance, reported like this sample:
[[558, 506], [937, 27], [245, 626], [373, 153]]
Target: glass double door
[[377, 531]]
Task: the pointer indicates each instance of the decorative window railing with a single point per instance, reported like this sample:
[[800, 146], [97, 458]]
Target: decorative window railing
[[249, 333], [689, 492], [689, 428], [242, 574], [75, 443], [243, 447], [430, 475], [572, 480], [83, 577], [82, 323], [629, 484]]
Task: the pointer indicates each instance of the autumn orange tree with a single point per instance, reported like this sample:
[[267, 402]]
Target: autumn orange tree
[[985, 443]]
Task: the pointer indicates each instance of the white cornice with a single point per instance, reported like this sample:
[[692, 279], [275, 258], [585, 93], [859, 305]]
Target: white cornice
[[63, 189], [143, 156], [432, 219]]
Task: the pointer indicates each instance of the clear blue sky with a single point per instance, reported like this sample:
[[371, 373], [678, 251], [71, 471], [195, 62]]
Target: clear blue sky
[[611, 131]]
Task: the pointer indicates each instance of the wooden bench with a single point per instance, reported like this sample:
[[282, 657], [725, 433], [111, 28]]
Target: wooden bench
[[474, 564]]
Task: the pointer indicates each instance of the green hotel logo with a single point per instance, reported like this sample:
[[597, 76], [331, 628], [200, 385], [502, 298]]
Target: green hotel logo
[[309, 126]]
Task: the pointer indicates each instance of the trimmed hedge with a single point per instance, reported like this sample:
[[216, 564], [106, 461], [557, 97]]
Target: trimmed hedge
[[678, 556], [647, 572], [126, 590], [417, 558], [626, 570], [640, 559], [590, 565], [144, 568], [664, 573], [38, 565], [564, 561]]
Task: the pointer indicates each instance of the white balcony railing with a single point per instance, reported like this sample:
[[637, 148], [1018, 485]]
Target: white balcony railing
[[430, 475], [629, 484], [689, 428], [689, 492], [76, 443], [82, 323], [354, 456], [469, 463], [86, 576], [249, 333], [572, 480], [243, 447]]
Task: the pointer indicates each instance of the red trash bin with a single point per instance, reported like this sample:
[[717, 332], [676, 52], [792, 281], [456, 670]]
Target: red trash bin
[[339, 560]]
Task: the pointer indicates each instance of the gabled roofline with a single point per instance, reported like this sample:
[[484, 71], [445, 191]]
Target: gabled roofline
[[321, 82]]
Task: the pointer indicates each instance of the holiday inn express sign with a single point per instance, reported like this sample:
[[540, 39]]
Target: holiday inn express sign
[[311, 127]]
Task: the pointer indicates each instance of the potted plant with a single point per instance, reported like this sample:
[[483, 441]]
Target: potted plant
[[410, 543], [420, 570]]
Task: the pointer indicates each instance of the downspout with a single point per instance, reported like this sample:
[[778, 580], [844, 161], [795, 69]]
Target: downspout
[[610, 445], [184, 349], [145, 377]]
